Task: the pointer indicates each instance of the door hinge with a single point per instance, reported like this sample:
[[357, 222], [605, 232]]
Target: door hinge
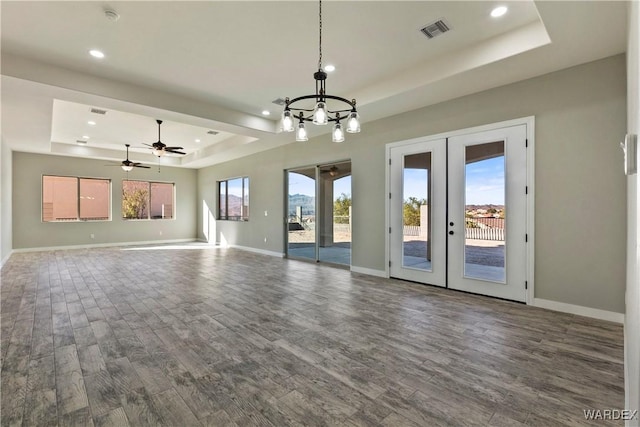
[[526, 237], [526, 284], [526, 189], [389, 230], [389, 196], [526, 143], [389, 162], [389, 263]]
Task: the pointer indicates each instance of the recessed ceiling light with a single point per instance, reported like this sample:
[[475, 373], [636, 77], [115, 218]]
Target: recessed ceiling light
[[265, 113], [91, 123], [197, 140], [499, 11], [329, 68], [85, 136], [96, 53]]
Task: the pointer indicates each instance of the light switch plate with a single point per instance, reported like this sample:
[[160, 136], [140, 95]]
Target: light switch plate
[[630, 148]]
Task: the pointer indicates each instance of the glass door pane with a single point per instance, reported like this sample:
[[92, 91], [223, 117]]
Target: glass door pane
[[301, 234], [334, 221], [484, 249], [416, 211]]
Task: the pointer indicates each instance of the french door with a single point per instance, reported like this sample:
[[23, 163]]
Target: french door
[[458, 212]]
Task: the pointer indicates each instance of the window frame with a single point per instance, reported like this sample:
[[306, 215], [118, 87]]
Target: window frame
[[78, 197], [244, 213], [149, 185]]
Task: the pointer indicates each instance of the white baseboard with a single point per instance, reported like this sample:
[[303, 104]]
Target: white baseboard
[[257, 251], [369, 271], [5, 259], [595, 313], [101, 245]]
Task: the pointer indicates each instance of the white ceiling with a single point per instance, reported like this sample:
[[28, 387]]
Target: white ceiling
[[217, 65]]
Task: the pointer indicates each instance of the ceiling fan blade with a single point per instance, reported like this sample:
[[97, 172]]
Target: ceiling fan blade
[[148, 145], [173, 148], [175, 152], [138, 165]]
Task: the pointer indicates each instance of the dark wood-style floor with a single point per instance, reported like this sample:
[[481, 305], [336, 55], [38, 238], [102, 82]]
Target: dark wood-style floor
[[202, 336]]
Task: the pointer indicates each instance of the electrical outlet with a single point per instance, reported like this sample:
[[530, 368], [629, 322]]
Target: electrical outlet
[[161, 232], [265, 240], [266, 213]]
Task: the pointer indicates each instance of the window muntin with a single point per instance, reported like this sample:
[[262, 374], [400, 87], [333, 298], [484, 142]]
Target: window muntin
[[233, 199], [147, 200], [69, 198]]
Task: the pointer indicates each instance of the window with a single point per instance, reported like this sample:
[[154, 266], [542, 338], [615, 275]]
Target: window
[[147, 200], [69, 198], [233, 199]]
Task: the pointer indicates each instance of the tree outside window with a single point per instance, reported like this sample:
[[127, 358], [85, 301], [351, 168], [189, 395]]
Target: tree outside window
[[147, 200]]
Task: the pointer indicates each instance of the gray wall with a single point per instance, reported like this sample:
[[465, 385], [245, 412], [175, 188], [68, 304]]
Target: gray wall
[[5, 202], [30, 232], [580, 193]]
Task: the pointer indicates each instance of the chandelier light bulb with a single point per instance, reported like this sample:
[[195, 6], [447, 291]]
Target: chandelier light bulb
[[301, 133], [287, 121], [127, 168], [320, 114], [353, 122], [338, 133]]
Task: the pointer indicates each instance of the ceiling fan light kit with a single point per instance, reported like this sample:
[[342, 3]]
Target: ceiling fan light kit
[[127, 165], [321, 114]]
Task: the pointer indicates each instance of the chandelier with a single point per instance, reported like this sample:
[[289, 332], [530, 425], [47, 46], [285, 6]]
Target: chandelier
[[321, 114]]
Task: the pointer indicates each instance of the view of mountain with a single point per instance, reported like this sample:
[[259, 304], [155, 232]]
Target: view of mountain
[[235, 205], [485, 207], [308, 204]]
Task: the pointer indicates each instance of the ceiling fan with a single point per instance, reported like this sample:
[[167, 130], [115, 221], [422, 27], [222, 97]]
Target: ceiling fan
[[128, 165], [160, 149], [333, 171]]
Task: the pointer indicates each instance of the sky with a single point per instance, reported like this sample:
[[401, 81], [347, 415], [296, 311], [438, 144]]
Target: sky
[[484, 183]]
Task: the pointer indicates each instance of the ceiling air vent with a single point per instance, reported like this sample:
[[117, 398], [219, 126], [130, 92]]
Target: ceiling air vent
[[435, 29], [98, 111], [212, 132], [278, 101], [81, 142]]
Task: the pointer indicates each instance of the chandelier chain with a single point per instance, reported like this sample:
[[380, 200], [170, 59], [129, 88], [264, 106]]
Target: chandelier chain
[[320, 36]]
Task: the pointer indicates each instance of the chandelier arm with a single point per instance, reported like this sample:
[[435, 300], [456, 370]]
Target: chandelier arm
[[309, 110], [337, 98]]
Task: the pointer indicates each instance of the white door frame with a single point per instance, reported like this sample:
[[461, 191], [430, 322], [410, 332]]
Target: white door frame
[[529, 122]]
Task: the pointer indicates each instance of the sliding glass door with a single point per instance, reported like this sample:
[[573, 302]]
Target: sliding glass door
[[301, 220], [319, 213]]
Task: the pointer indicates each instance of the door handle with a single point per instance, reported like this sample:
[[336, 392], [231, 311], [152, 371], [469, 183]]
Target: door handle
[[451, 232]]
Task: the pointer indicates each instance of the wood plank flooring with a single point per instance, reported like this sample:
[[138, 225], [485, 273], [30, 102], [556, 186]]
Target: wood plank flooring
[[200, 336]]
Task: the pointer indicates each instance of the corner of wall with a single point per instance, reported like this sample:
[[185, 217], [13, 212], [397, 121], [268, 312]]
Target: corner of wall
[[6, 223]]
